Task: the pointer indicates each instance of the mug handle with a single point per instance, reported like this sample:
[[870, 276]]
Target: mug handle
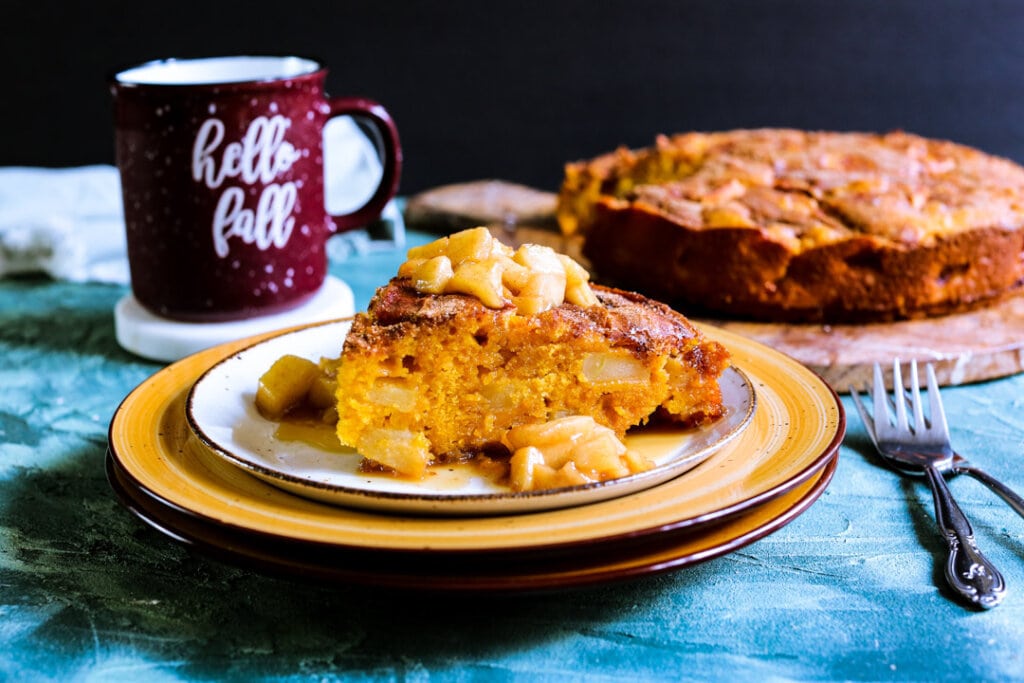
[[391, 157]]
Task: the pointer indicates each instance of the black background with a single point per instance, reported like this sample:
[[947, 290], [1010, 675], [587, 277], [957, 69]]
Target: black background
[[514, 89]]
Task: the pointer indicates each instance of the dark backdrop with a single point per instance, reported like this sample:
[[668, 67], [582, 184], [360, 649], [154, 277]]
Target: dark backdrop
[[514, 89]]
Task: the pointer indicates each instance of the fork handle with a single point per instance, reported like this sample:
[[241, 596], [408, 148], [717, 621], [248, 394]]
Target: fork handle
[[998, 487], [968, 571]]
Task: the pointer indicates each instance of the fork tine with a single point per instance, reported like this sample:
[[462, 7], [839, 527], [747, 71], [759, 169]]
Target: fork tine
[[881, 419], [907, 396], [897, 386], [915, 399], [864, 416], [938, 413]]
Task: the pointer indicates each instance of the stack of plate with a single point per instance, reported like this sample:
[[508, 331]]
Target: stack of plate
[[190, 455]]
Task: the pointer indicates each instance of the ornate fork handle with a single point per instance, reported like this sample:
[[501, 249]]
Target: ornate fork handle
[[967, 570], [998, 487]]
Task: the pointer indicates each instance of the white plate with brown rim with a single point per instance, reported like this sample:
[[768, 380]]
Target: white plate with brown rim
[[307, 459]]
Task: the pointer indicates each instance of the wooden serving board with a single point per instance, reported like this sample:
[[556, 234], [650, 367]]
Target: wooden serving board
[[967, 347], [497, 203]]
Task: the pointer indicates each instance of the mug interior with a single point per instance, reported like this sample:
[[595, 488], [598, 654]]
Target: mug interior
[[209, 70]]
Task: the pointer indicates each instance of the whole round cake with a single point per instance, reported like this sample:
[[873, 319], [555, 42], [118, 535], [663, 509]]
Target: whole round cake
[[789, 225]]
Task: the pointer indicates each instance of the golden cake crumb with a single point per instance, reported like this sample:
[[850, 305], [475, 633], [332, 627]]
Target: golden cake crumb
[[435, 377]]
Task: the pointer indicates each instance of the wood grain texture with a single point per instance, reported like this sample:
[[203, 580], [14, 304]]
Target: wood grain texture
[[497, 203], [969, 347]]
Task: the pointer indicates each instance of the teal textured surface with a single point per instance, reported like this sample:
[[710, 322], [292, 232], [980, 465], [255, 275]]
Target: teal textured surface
[[851, 590]]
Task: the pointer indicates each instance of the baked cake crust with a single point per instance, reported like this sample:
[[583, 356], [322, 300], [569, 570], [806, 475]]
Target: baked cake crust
[[803, 226]]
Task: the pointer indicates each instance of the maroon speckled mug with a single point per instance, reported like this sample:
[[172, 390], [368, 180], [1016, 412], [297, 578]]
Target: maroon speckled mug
[[222, 172]]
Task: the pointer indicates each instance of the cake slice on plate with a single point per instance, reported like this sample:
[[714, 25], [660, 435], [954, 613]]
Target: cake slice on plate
[[478, 348]]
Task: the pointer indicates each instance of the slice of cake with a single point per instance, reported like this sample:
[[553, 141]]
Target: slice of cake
[[473, 340]]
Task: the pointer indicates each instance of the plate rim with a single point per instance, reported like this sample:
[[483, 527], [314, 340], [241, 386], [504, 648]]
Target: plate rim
[[659, 558], [523, 501]]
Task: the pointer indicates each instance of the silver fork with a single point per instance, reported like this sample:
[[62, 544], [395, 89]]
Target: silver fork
[[924, 447], [959, 464]]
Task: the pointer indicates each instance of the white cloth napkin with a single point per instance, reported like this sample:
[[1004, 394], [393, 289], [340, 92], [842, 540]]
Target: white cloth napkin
[[69, 223]]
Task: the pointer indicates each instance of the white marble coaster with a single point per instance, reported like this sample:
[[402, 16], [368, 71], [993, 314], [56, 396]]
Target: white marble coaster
[[150, 336]]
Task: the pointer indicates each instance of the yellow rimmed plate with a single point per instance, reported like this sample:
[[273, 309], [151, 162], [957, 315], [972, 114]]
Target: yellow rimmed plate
[[795, 431], [220, 409], [578, 566]]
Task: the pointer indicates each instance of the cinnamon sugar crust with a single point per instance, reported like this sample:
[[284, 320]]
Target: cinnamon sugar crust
[[626, 319]]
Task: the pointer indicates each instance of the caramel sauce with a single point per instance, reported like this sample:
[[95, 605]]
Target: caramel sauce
[[310, 431], [304, 427]]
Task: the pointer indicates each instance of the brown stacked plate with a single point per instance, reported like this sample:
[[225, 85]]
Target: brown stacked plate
[[206, 473]]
